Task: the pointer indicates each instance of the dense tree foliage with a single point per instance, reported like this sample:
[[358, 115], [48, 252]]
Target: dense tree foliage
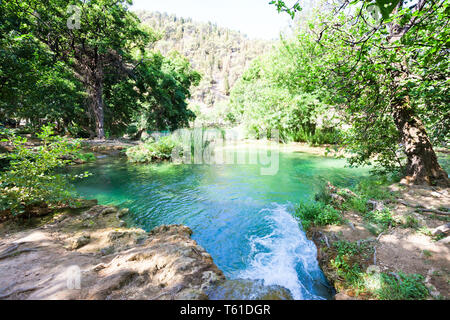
[[389, 73], [269, 97], [89, 69]]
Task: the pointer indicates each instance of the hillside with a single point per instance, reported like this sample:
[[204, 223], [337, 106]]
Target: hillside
[[219, 54]]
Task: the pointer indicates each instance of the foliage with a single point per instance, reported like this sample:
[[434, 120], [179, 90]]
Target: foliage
[[30, 179], [346, 262], [412, 222], [153, 150], [317, 213], [99, 77], [84, 156], [380, 73], [402, 287], [267, 97], [349, 260], [382, 218]]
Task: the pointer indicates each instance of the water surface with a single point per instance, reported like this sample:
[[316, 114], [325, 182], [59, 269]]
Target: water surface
[[242, 218]]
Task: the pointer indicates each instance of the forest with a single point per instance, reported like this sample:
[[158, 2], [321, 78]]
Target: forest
[[99, 101]]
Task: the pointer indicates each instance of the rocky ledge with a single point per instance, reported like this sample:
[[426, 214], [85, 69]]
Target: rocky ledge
[[90, 254]]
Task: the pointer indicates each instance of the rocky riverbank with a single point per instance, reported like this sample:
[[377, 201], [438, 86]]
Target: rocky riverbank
[[90, 254], [411, 253]]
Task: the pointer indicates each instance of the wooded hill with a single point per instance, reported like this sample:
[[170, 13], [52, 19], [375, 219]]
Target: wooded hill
[[221, 55]]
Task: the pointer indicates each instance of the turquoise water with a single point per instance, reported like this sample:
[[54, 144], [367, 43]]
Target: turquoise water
[[242, 218]]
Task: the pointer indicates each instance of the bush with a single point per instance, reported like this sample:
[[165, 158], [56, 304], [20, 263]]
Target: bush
[[30, 179], [84, 157], [152, 151], [382, 218], [317, 213], [346, 262]]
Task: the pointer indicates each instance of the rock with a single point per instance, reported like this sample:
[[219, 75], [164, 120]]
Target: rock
[[86, 204], [80, 241], [337, 199], [122, 213], [347, 193], [343, 296], [245, 289], [107, 251], [446, 240], [122, 224], [99, 210], [443, 230], [375, 205]]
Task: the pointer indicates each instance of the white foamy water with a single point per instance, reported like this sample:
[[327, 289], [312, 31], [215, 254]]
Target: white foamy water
[[278, 256]]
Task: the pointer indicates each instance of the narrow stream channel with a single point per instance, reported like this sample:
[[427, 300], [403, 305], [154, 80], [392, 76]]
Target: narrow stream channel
[[242, 218]]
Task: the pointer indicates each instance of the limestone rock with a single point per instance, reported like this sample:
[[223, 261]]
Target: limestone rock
[[441, 230], [343, 296], [375, 205], [80, 241], [244, 289]]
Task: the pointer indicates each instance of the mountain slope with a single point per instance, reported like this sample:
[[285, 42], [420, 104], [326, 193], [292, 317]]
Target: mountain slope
[[221, 55]]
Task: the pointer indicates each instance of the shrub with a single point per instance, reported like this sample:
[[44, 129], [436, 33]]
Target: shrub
[[317, 213], [152, 151], [84, 157], [348, 263], [30, 178], [357, 203], [382, 218]]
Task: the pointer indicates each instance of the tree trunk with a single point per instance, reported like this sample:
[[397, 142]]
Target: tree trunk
[[95, 91], [422, 163]]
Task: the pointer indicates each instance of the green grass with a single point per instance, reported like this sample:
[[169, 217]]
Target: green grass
[[349, 262], [376, 187], [383, 218], [411, 222], [401, 287]]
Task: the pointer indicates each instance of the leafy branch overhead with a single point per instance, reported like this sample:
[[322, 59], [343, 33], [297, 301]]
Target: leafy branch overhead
[[386, 6]]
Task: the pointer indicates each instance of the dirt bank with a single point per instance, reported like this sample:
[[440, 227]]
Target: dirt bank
[[419, 243]]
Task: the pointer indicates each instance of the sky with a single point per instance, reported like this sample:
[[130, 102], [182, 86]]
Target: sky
[[256, 18]]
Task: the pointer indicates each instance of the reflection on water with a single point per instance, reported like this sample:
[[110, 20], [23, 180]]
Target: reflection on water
[[239, 216]]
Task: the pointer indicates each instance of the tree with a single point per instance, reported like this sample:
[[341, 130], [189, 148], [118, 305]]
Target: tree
[[106, 54], [381, 71], [103, 43]]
